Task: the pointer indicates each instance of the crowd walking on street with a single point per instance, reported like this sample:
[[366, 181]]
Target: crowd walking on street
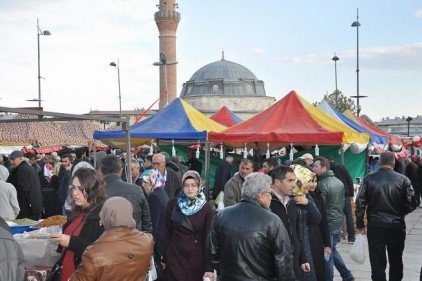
[[279, 221]]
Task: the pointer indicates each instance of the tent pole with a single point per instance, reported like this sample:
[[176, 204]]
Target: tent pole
[[126, 127], [342, 154], [207, 169]]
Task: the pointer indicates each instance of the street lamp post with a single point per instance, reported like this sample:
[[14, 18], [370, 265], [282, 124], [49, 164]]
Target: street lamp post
[[163, 62], [118, 81], [357, 24], [408, 119], [39, 33], [335, 59]]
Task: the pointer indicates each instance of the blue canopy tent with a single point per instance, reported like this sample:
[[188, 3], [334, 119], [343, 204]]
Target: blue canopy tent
[[334, 113], [178, 121]]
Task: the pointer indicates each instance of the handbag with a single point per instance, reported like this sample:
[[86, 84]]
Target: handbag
[[56, 271]]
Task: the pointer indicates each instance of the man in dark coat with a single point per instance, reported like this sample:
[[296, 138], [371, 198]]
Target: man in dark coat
[[28, 187], [386, 197], [222, 175], [283, 183], [111, 168], [251, 229], [193, 163]]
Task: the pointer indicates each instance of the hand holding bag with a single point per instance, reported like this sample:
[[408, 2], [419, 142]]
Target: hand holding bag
[[357, 252]]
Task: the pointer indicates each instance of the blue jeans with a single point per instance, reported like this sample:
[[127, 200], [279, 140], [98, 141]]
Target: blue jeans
[[336, 259], [347, 209]]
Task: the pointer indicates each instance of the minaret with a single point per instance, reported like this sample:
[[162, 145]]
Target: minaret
[[167, 19]]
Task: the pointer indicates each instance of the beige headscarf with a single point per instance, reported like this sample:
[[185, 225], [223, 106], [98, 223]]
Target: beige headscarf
[[117, 212]]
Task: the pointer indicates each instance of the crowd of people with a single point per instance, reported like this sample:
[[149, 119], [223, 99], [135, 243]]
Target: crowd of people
[[282, 222]]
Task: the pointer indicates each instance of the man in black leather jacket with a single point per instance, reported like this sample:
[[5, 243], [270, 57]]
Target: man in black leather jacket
[[247, 241], [387, 197]]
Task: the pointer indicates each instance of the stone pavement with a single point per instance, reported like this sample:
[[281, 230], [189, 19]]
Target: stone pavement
[[412, 256]]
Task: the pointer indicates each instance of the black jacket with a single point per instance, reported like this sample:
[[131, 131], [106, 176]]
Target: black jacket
[[28, 187], [222, 175], [344, 176], [157, 201], [133, 193], [293, 223], [387, 197], [248, 242], [90, 232]]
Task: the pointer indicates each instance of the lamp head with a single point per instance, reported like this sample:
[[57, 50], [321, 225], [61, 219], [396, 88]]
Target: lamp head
[[335, 58], [113, 64], [355, 24], [46, 32]]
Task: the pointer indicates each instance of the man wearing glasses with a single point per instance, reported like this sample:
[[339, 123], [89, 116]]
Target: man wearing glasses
[[169, 179]]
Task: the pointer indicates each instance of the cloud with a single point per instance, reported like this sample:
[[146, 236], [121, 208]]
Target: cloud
[[403, 58], [418, 13], [258, 50]]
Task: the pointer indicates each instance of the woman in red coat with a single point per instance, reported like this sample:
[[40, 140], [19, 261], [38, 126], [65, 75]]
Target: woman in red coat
[[187, 223]]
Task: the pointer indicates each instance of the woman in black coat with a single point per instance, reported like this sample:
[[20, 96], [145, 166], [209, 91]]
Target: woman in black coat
[[319, 235], [187, 221], [83, 226]]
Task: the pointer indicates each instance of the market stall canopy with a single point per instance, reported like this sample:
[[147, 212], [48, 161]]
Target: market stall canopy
[[178, 121], [391, 138], [46, 134], [290, 120], [226, 117], [374, 137]]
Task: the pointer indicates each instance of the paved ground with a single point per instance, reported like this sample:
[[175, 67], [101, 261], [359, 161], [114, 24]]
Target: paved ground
[[412, 256]]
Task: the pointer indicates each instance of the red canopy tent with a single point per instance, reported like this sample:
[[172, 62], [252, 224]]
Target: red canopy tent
[[287, 121], [226, 117]]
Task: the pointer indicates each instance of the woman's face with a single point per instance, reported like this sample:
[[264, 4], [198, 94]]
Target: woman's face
[[79, 194], [147, 186], [190, 188], [312, 185]]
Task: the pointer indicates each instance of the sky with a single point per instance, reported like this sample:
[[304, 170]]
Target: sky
[[287, 44]]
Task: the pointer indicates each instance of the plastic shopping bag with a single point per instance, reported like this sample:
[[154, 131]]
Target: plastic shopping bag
[[357, 252], [219, 201]]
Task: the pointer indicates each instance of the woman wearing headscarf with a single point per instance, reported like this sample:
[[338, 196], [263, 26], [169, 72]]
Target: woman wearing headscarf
[[157, 200], [83, 226], [122, 252], [309, 215], [187, 223]]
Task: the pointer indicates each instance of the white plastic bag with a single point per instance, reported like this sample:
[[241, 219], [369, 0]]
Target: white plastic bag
[[152, 273], [219, 201], [357, 252]]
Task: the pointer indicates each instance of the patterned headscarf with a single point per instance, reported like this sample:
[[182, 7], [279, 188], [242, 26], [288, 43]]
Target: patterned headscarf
[[151, 177], [190, 206], [303, 177]]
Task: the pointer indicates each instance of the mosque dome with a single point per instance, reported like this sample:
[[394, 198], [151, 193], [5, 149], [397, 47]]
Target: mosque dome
[[223, 78]]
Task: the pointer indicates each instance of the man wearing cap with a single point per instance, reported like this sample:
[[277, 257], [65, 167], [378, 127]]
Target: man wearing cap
[[27, 185], [307, 159]]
